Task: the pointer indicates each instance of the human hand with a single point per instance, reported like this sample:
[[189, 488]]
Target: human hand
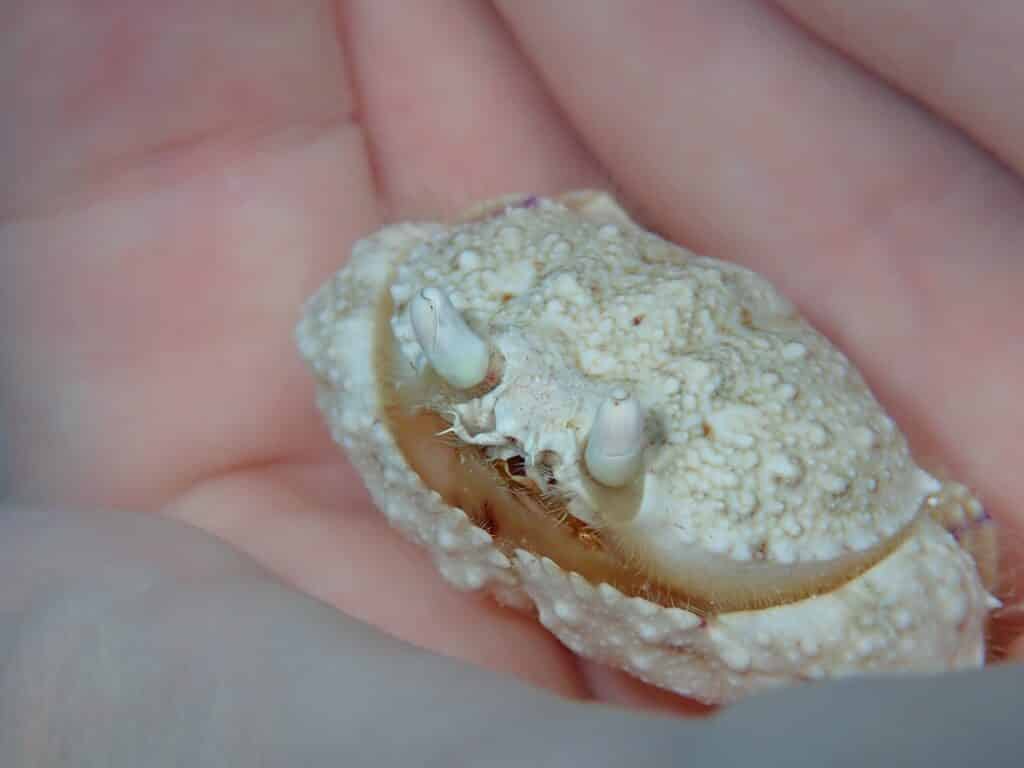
[[184, 176], [140, 641]]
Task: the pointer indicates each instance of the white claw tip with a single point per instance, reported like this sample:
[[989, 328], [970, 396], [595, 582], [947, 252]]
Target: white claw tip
[[459, 356], [616, 442]]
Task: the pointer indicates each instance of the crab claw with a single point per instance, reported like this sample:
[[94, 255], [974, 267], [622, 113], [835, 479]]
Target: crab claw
[[459, 356], [616, 442]]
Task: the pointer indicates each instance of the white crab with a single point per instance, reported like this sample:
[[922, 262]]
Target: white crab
[[651, 448]]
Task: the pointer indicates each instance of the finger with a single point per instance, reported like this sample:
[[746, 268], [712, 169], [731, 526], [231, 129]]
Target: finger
[[247, 671], [742, 134], [962, 61], [736, 133], [454, 113], [119, 596], [616, 687], [127, 97], [186, 176], [314, 526]]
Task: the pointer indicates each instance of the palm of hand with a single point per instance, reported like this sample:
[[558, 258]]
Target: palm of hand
[[195, 175]]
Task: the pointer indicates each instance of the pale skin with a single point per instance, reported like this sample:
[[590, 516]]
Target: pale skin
[[181, 178]]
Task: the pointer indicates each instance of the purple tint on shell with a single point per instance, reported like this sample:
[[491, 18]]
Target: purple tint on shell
[[529, 202], [960, 530]]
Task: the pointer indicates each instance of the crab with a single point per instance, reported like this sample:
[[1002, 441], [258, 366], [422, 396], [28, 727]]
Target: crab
[[651, 450]]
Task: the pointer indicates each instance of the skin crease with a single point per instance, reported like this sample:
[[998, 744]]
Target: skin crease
[[185, 175]]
